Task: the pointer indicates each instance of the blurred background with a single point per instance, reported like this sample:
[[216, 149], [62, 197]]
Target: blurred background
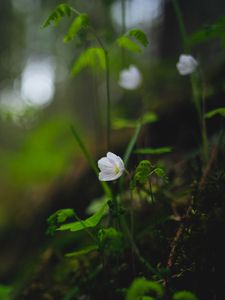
[[41, 166]]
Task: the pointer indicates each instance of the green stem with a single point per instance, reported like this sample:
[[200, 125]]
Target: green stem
[[75, 11], [199, 100], [123, 15], [123, 30], [181, 25], [150, 189], [108, 109], [85, 228], [132, 229]]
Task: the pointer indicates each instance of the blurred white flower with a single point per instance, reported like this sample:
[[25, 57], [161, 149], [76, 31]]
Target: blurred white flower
[[111, 167], [186, 64], [130, 78]]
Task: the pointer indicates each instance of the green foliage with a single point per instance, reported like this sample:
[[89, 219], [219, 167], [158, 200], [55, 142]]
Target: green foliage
[[216, 30], [80, 22], [184, 295], [142, 172], [140, 36], [90, 222], [153, 151], [160, 172], [83, 251], [218, 111], [62, 10], [91, 57], [58, 217], [144, 289], [149, 117], [127, 43], [120, 123], [5, 292], [110, 240]]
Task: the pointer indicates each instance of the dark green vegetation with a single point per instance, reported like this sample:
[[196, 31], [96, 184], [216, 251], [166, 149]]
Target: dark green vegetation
[[156, 232]]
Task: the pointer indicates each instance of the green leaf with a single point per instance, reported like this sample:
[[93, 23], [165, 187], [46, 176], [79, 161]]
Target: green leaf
[[92, 57], [79, 23], [120, 123], [83, 251], [5, 292], [153, 151], [149, 117], [127, 43], [62, 10], [58, 217], [141, 288], [142, 172], [90, 222], [64, 214], [184, 295], [161, 173], [111, 240], [209, 32], [140, 36], [217, 111]]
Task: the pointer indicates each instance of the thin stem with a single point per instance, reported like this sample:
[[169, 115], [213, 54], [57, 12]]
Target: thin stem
[[199, 100], [123, 15], [150, 189], [97, 114], [108, 109], [132, 229], [85, 228], [181, 25], [123, 29], [204, 131], [75, 11]]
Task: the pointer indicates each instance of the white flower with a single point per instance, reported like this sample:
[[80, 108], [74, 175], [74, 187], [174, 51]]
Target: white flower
[[111, 167], [130, 78], [186, 64]]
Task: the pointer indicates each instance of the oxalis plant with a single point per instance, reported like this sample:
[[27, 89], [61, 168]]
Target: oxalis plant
[[111, 228]]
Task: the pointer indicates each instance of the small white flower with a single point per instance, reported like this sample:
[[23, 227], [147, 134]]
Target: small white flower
[[111, 167], [186, 64], [130, 78]]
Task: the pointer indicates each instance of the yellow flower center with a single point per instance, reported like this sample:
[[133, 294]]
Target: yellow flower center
[[116, 170]]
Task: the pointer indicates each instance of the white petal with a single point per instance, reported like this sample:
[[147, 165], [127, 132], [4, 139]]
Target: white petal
[[104, 162], [112, 156], [116, 160], [108, 177]]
